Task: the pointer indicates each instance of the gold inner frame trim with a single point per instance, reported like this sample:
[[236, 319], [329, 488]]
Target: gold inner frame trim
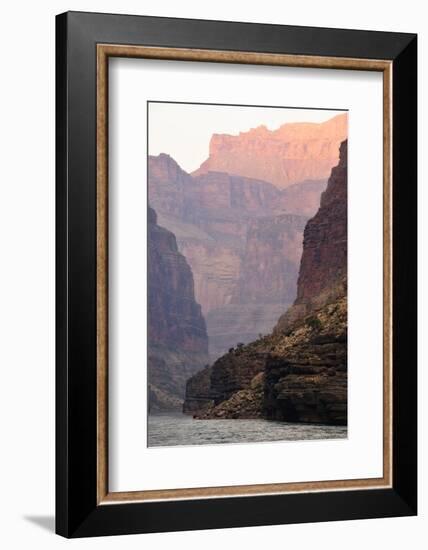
[[104, 51]]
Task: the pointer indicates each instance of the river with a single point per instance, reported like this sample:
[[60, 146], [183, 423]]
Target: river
[[179, 429]]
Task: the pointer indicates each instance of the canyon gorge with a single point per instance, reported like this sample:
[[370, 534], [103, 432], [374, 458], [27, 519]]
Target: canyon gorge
[[247, 277], [298, 372], [241, 244]]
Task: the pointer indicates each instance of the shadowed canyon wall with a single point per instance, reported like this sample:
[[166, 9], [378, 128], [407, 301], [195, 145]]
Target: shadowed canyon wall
[[177, 337], [323, 268]]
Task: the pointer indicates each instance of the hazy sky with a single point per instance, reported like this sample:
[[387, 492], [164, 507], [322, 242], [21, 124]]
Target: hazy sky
[[184, 130]]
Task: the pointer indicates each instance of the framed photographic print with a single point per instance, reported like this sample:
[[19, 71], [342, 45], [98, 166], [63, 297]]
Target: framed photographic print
[[236, 274]]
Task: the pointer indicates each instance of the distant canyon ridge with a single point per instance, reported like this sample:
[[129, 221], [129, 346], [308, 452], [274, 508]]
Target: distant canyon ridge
[[293, 153], [238, 224]]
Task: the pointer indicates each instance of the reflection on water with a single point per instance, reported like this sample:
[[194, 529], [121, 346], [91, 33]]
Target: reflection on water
[[180, 429]]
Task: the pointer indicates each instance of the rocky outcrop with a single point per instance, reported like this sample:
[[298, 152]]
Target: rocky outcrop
[[231, 388], [300, 376], [234, 371], [291, 154], [299, 372], [177, 337], [306, 373], [246, 403]]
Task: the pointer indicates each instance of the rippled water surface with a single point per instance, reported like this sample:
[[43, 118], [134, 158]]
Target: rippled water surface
[[180, 429]]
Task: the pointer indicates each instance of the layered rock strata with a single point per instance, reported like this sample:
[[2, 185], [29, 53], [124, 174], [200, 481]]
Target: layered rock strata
[[323, 268], [291, 154], [300, 376]]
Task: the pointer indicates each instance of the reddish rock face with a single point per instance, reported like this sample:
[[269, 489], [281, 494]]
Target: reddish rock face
[[324, 259], [323, 268], [291, 154]]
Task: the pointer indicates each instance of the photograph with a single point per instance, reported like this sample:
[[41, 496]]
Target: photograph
[[247, 252], [212, 280]]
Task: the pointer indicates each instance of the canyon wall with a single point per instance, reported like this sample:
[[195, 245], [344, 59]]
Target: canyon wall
[[323, 268], [291, 154], [299, 372], [177, 337]]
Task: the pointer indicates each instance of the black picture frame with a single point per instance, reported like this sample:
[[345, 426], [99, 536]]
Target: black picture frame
[[77, 511]]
